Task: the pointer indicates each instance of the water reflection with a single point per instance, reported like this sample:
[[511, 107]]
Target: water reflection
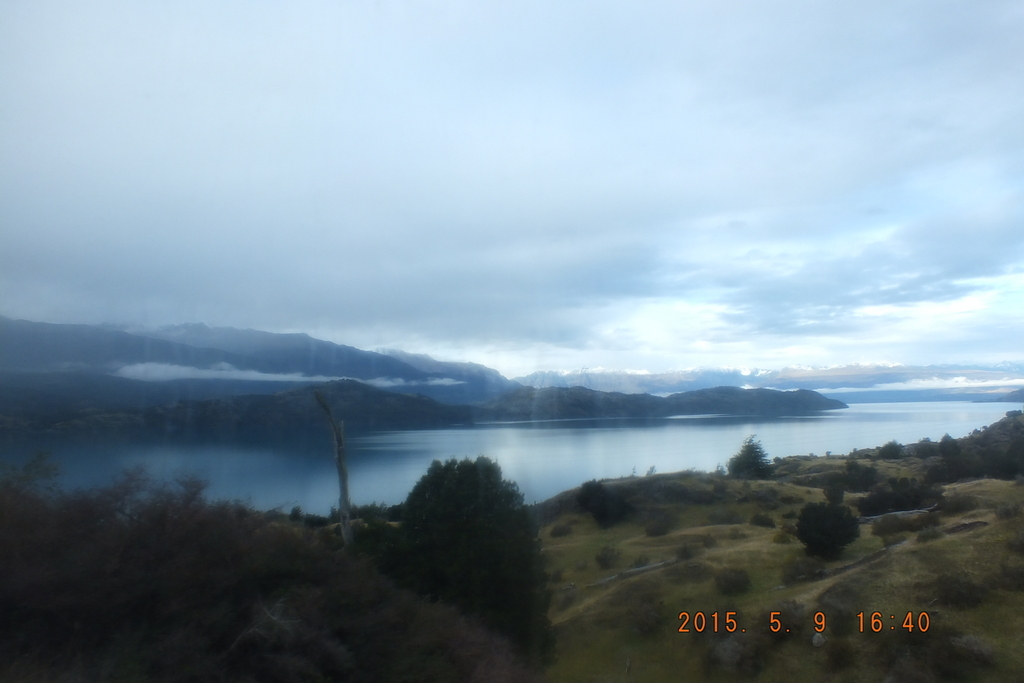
[[543, 459]]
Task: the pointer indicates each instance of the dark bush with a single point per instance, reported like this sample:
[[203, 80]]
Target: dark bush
[[957, 590], [958, 503], [1008, 510], [559, 530], [802, 569], [709, 541], [374, 511], [751, 462], [724, 516], [826, 529], [142, 582], [732, 581], [929, 534], [658, 522], [791, 514], [834, 494], [891, 451], [897, 495], [890, 525], [607, 557], [761, 519], [689, 572], [790, 500], [686, 552], [640, 561], [607, 504]]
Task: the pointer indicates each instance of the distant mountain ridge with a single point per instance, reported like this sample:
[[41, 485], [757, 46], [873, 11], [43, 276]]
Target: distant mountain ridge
[[849, 383], [206, 360], [558, 403], [30, 410]]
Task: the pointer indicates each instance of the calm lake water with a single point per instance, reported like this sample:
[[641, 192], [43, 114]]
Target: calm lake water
[[543, 459]]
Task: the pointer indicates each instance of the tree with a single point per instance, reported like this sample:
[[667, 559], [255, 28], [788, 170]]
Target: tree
[[751, 462], [607, 505], [467, 538], [891, 451], [825, 529], [345, 503]]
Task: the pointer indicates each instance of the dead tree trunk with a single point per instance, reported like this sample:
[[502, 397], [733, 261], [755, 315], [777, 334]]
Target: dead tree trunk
[[345, 504]]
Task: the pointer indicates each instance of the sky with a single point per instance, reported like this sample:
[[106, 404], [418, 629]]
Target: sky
[[532, 185]]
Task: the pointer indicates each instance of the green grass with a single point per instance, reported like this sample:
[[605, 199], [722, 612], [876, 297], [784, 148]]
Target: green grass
[[634, 619]]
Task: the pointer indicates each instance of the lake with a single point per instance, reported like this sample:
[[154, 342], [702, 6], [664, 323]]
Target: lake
[[543, 459]]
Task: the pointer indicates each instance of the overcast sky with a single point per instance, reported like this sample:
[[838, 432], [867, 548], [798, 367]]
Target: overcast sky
[[529, 185]]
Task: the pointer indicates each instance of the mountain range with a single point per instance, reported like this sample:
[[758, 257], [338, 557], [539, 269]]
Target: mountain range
[[194, 380]]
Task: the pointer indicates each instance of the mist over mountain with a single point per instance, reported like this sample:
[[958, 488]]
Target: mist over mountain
[[196, 361]]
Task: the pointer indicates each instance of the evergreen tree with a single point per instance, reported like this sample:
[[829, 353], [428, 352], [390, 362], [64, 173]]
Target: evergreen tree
[[825, 529], [467, 539], [751, 462]]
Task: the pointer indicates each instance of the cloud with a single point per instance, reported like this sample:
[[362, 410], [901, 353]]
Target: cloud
[[163, 372], [653, 185]]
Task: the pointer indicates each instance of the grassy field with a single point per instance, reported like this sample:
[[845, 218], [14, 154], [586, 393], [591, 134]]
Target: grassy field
[[620, 622]]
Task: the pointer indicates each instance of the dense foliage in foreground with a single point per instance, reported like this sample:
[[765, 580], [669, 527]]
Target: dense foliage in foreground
[[143, 583]]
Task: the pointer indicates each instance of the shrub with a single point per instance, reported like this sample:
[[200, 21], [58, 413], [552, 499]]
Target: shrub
[[556, 575], [782, 537], [689, 572], [607, 505], [790, 500], [143, 582], [891, 451], [897, 495], [640, 561], [897, 524], [790, 514], [802, 569], [890, 540], [719, 516], [607, 557], [751, 462], [761, 519], [858, 477], [958, 590], [658, 523], [1008, 510], [826, 529], [958, 503], [709, 541], [929, 534], [559, 530], [732, 581], [686, 552]]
